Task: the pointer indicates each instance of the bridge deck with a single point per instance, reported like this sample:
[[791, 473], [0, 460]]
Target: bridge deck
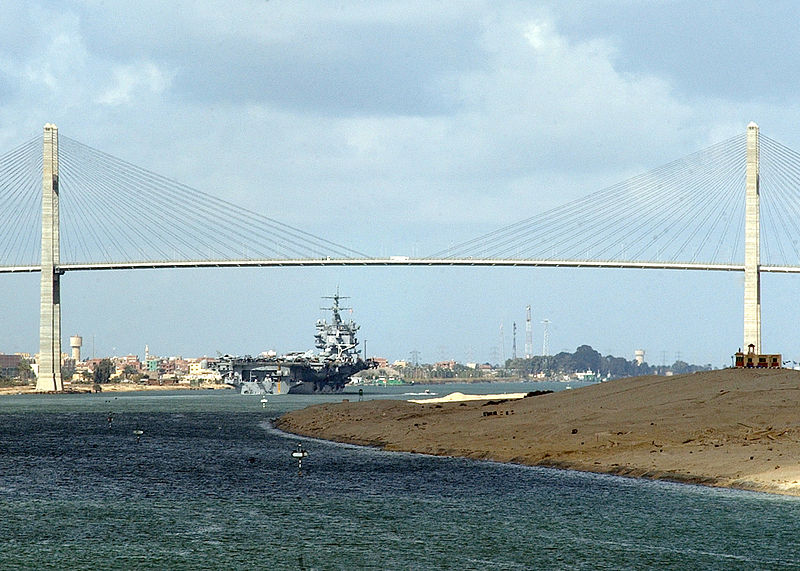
[[319, 262]]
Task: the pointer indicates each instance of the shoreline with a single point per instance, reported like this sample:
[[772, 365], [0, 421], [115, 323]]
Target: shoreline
[[111, 388], [730, 428]]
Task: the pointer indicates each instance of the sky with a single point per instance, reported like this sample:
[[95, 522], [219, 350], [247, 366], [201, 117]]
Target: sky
[[399, 128]]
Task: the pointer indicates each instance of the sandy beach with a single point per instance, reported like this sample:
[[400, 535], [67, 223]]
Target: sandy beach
[[727, 428]]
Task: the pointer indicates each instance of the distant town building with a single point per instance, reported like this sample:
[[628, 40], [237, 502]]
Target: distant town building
[[127, 361], [179, 365], [91, 364], [152, 364], [200, 369], [9, 365], [751, 359]]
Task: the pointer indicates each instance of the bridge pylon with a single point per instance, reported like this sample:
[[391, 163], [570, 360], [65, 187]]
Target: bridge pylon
[[752, 249], [49, 377]]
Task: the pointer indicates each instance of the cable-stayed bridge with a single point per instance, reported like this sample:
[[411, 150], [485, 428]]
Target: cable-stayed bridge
[[69, 207]]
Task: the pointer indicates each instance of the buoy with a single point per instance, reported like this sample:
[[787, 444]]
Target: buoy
[[138, 434], [264, 403], [300, 453]]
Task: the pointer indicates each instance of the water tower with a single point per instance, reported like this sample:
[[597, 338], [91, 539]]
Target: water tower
[[638, 355], [75, 343]]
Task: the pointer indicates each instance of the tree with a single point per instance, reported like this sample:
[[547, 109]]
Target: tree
[[103, 371], [25, 370], [620, 367], [67, 371], [586, 359], [130, 372]]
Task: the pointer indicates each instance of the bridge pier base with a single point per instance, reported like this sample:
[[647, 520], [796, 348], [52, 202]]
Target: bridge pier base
[[49, 376]]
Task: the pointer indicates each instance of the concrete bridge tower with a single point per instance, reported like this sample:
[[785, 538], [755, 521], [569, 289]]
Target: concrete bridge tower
[[752, 251], [49, 378]]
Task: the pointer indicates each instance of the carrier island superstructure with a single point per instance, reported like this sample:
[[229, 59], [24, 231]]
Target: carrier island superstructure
[[302, 372]]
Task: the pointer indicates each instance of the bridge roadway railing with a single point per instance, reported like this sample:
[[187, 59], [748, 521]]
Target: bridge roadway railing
[[397, 261], [429, 262]]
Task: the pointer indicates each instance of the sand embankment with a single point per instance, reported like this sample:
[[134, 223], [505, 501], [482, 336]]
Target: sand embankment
[[730, 428]]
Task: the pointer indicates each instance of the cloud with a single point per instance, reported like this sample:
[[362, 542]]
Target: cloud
[[56, 59], [546, 101], [134, 80], [526, 119], [483, 113], [392, 127], [533, 108]]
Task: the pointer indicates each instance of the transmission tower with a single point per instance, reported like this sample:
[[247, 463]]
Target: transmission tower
[[546, 339], [514, 341], [502, 345], [528, 334], [415, 358]]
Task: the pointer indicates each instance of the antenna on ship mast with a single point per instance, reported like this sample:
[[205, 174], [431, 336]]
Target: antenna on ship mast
[[336, 309]]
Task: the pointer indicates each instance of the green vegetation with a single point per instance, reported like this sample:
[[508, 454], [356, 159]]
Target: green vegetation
[[587, 359], [103, 371], [6, 382], [67, 370], [582, 360], [25, 370]]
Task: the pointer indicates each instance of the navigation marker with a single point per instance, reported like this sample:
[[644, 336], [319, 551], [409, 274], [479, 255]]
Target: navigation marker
[[300, 453]]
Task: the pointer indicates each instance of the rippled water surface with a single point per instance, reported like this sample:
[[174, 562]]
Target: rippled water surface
[[211, 485]]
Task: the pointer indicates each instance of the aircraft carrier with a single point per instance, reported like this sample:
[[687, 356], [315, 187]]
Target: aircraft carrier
[[302, 372]]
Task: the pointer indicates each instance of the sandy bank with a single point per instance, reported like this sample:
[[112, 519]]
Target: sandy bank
[[730, 428], [460, 397]]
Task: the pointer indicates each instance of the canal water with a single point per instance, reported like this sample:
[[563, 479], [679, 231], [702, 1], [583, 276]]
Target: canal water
[[210, 485]]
